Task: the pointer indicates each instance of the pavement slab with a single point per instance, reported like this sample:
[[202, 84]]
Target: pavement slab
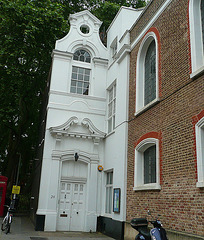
[[23, 229]]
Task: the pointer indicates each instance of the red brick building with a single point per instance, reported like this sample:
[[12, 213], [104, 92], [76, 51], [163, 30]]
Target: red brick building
[[165, 170]]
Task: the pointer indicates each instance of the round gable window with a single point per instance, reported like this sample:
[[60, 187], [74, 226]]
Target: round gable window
[[84, 29]]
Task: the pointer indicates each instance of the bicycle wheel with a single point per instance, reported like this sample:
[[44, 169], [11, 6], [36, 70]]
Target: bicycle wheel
[[8, 226], [4, 223]]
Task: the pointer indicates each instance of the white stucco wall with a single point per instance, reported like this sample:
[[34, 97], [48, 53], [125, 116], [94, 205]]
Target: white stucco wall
[[78, 123]]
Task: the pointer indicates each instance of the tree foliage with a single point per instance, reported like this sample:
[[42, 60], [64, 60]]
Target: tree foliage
[[29, 29]]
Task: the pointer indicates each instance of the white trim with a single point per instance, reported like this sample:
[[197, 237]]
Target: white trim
[[139, 165], [112, 103], [65, 56], [149, 105], [110, 197], [84, 24], [153, 19], [196, 41], [123, 7], [199, 129], [151, 36], [75, 16], [197, 73], [66, 94]]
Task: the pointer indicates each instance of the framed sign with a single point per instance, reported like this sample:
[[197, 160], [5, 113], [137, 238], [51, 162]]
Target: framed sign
[[116, 200]]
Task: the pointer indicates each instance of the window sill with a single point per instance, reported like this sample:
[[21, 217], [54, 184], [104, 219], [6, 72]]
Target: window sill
[[145, 187], [110, 133], [200, 184], [148, 106], [197, 73]]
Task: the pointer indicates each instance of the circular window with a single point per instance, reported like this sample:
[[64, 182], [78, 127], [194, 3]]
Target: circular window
[[84, 29]]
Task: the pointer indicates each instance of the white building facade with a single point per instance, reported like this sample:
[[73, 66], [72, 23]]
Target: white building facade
[[83, 176]]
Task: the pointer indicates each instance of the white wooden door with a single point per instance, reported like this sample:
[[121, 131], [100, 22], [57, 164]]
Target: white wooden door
[[71, 211], [78, 207]]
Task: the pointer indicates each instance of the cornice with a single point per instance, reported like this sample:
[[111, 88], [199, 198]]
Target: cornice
[[94, 130], [62, 55], [100, 61], [62, 130]]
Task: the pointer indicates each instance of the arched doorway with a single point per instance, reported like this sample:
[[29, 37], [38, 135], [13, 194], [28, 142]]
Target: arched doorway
[[72, 196]]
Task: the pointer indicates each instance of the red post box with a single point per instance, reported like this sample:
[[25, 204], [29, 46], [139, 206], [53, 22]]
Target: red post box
[[3, 185]]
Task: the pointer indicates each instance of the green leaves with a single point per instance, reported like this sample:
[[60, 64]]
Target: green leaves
[[29, 30]]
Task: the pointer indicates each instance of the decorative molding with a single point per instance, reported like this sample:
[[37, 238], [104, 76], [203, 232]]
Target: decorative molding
[[66, 94], [100, 61], [61, 130], [67, 56], [68, 155], [123, 53], [94, 133], [93, 129], [75, 16], [151, 22], [74, 179]]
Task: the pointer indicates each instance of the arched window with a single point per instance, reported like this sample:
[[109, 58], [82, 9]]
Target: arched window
[[147, 77], [147, 157], [82, 55], [81, 71], [150, 165], [196, 22], [199, 131], [150, 74]]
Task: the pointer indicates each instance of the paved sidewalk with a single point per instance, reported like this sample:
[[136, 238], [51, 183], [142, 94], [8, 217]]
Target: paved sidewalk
[[23, 229]]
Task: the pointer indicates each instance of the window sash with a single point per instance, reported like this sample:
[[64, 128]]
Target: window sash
[[82, 56], [111, 108], [109, 192], [80, 80], [150, 74], [150, 165]]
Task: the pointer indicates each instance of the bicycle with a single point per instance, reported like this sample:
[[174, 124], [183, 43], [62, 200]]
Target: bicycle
[[6, 223]]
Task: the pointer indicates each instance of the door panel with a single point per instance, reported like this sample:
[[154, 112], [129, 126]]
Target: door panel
[[64, 207], [71, 207], [77, 218]]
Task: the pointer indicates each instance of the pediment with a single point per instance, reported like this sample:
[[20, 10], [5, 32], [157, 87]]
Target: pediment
[[64, 127], [86, 15], [79, 129]]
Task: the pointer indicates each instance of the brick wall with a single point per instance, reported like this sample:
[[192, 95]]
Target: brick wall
[[179, 202], [150, 10]]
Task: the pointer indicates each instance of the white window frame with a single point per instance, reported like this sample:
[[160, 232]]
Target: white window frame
[[199, 130], [196, 41], [113, 104], [139, 165], [114, 48], [110, 197], [140, 73], [85, 65]]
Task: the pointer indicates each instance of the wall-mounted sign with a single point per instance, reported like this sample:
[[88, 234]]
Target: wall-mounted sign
[[16, 189], [116, 200]]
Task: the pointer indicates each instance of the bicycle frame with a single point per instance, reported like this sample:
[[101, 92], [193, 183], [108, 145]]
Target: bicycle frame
[[6, 223]]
